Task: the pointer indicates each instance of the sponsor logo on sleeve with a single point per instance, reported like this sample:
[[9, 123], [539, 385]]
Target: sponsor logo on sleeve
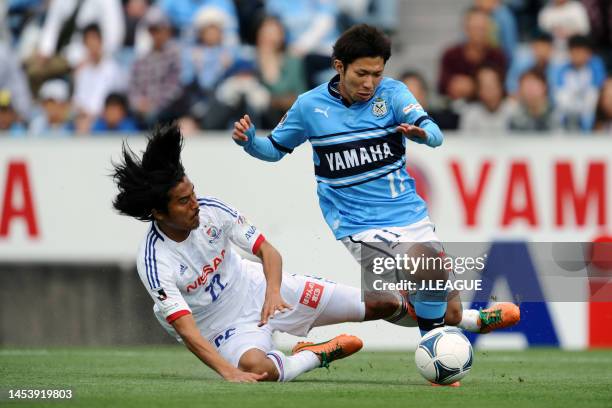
[[250, 232], [311, 296], [160, 293], [411, 107]]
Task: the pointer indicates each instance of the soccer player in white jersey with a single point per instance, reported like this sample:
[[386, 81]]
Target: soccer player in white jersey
[[358, 125], [222, 307]]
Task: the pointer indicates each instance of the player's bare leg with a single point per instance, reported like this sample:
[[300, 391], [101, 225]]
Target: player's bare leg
[[454, 309], [381, 305], [256, 361], [306, 357]]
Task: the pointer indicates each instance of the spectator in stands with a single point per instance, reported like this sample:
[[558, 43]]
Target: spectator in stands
[[205, 63], [134, 11], [281, 73], [137, 41], [5, 35], [13, 80], [603, 120], [250, 14], [600, 18], [67, 19], [460, 63], [154, 84], [577, 85], [311, 33], [446, 118], [532, 111], [526, 14], [563, 19], [115, 118], [189, 125], [182, 13], [24, 21], [384, 14], [538, 56], [240, 92], [9, 118], [492, 110], [98, 76], [506, 31], [55, 117]]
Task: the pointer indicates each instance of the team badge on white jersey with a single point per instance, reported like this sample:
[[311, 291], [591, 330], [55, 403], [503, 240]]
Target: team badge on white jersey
[[213, 233], [379, 107]]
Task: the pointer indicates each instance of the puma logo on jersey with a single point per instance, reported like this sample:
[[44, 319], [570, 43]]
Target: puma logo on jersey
[[357, 157], [322, 112]]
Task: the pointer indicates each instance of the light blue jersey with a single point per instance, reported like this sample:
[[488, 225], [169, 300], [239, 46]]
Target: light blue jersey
[[359, 158]]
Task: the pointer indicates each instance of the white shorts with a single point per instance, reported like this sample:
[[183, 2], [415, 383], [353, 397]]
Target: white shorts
[[314, 302], [339, 303], [420, 231]]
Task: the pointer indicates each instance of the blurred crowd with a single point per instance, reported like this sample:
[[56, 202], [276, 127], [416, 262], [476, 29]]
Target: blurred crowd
[[87, 67]]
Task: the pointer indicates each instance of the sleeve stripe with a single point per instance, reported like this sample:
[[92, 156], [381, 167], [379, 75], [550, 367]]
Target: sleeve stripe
[[176, 315], [146, 259], [421, 120], [220, 207], [260, 240], [278, 146], [151, 261], [211, 200]]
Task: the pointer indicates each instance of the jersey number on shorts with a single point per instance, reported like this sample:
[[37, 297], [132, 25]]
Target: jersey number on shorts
[[391, 242], [395, 191], [216, 280]]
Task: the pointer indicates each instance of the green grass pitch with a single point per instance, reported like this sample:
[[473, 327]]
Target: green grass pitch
[[171, 377]]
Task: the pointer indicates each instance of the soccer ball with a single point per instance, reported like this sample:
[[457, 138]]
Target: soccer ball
[[444, 355]]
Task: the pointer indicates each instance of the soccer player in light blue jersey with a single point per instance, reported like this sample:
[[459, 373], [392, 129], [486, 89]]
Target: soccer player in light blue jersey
[[358, 125]]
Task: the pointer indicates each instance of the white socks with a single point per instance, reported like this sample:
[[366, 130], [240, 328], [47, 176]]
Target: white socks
[[470, 321], [289, 367]]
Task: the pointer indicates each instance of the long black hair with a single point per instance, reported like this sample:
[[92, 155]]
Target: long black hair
[[144, 184]]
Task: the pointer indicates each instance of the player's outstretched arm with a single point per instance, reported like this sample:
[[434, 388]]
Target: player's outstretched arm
[[429, 134], [273, 270], [259, 147], [186, 327]]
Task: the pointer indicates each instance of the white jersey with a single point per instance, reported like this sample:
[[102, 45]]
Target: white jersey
[[202, 275]]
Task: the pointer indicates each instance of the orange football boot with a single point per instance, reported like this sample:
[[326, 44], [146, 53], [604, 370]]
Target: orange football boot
[[339, 347], [455, 384], [499, 316]]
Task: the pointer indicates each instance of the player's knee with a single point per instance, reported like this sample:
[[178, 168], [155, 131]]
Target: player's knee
[[380, 305], [253, 361], [453, 315], [431, 267]]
